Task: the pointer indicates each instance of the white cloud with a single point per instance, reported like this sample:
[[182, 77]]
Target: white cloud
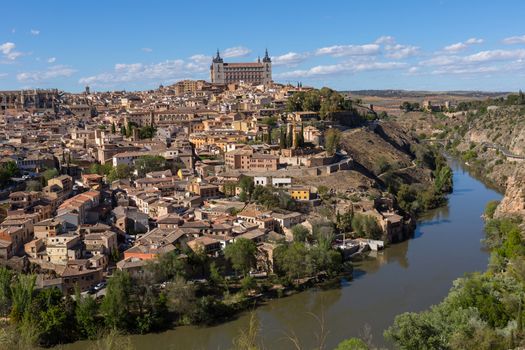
[[440, 61], [34, 32], [483, 62], [8, 50], [50, 73], [289, 59], [201, 59], [495, 55], [5, 48], [462, 45], [237, 51], [398, 51], [477, 58], [385, 39], [474, 41], [413, 70], [165, 71], [3, 75], [147, 49], [349, 50], [339, 68], [51, 60], [466, 70], [514, 40]]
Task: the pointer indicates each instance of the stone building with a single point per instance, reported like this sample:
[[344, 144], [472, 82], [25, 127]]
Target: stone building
[[259, 72], [38, 100]]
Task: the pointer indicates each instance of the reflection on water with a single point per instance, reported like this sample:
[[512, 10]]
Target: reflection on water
[[399, 279]]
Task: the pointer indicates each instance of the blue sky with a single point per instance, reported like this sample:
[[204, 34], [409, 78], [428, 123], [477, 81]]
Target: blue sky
[[135, 45]]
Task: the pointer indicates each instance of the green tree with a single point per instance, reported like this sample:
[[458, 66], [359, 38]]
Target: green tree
[[113, 128], [149, 305], [8, 170], [48, 174], [148, 163], [301, 136], [412, 331], [22, 292], [289, 139], [242, 255], [147, 132], [312, 101], [115, 306], [292, 261], [100, 169], [6, 278], [270, 121], [276, 135], [366, 226], [443, 180], [121, 171], [182, 299], [247, 187], [129, 129], [344, 221], [50, 314], [283, 138], [332, 139], [295, 102], [323, 230], [406, 196], [300, 233], [167, 266], [86, 316]]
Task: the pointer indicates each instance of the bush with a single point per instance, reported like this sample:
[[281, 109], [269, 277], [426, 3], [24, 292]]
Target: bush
[[490, 208]]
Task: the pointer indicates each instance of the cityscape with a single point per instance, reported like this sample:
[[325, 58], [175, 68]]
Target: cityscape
[[261, 199]]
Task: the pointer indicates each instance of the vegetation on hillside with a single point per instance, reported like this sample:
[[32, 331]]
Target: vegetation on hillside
[[482, 310]]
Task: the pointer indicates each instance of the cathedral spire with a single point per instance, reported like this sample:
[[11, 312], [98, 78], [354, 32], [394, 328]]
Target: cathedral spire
[[266, 57], [217, 58]]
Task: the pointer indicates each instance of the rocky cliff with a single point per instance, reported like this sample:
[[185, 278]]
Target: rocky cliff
[[514, 201]]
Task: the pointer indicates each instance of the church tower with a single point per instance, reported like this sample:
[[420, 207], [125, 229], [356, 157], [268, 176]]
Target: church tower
[[267, 62], [217, 69]]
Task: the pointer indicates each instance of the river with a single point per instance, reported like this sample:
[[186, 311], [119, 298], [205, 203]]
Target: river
[[409, 276]]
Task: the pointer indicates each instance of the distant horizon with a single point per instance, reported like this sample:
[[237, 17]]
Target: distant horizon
[[305, 86], [439, 45]]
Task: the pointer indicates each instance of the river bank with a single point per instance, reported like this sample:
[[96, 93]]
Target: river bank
[[408, 276]]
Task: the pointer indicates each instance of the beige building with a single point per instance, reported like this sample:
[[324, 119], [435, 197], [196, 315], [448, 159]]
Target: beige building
[[259, 72], [246, 159]]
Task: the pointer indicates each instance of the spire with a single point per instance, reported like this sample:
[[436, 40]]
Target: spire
[[217, 59], [266, 57]]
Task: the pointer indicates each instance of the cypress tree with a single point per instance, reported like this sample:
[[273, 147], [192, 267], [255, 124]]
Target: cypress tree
[[289, 139], [301, 136], [282, 142]]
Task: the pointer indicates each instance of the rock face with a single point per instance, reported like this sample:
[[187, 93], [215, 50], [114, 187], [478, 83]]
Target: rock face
[[514, 201]]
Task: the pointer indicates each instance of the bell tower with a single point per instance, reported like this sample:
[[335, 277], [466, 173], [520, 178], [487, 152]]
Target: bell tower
[[267, 63], [217, 69]]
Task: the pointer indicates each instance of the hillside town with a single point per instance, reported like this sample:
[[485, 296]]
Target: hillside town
[[98, 181]]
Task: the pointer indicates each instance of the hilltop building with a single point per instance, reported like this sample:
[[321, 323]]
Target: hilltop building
[[259, 72]]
